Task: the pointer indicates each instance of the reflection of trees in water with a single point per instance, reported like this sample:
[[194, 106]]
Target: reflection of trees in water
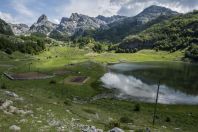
[[183, 77]]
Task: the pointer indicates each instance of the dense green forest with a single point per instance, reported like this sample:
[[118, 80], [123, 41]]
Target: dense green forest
[[178, 33], [29, 44]]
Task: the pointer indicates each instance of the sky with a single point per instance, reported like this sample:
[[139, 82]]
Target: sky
[[28, 11]]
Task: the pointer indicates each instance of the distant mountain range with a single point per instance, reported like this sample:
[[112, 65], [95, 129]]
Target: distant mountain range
[[133, 25], [113, 28], [68, 26]]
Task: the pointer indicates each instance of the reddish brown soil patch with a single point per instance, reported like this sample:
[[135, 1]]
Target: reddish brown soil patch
[[77, 80], [62, 72], [27, 76]]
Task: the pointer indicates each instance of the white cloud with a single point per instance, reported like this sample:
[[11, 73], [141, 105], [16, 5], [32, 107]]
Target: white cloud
[[7, 17], [133, 7], [28, 11], [89, 7], [21, 8], [57, 21]]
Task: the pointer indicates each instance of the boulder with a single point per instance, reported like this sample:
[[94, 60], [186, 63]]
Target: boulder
[[6, 104], [11, 94], [14, 128], [116, 129], [87, 128]]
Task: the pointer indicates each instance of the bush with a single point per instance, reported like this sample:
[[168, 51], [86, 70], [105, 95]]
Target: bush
[[126, 120], [112, 124], [136, 107], [168, 119], [3, 86], [8, 51], [67, 102], [52, 82]]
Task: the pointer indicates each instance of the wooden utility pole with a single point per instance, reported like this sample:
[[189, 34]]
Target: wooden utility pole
[[156, 101]]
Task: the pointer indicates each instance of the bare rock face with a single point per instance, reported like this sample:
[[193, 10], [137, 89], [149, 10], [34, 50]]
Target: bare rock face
[[152, 13], [78, 23], [111, 19], [19, 29], [43, 26], [5, 28]]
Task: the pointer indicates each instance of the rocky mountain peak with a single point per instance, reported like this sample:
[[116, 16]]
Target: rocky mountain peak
[[42, 18], [64, 20], [157, 10], [75, 16], [43, 25], [111, 19], [152, 13]]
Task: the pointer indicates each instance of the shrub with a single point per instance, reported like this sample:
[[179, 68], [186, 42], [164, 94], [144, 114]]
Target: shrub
[[126, 120], [3, 86], [8, 51], [168, 119], [52, 82], [67, 102], [112, 124], [136, 107]]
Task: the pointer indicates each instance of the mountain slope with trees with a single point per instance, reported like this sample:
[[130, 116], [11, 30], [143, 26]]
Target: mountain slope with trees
[[178, 33], [133, 25], [5, 28]]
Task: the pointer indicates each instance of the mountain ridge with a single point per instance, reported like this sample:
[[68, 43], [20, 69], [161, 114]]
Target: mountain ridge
[[103, 28]]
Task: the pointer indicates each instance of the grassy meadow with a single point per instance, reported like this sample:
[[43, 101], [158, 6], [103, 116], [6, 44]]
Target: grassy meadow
[[57, 104]]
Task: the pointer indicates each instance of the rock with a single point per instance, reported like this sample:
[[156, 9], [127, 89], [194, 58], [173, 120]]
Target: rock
[[7, 113], [54, 123], [12, 109], [14, 128], [39, 121], [87, 128], [6, 104], [111, 19], [77, 24], [19, 99], [19, 29], [75, 120], [23, 112], [43, 26], [23, 121], [68, 111], [11, 94], [89, 120], [116, 129]]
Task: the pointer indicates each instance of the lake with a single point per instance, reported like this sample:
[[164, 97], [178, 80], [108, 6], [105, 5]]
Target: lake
[[139, 81]]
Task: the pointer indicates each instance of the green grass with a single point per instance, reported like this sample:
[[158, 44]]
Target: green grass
[[57, 57], [57, 98]]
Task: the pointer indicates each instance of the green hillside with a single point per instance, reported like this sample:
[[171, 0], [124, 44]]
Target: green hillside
[[180, 32], [5, 28]]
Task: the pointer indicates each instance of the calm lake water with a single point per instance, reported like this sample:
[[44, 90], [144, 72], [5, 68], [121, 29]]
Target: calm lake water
[[138, 81]]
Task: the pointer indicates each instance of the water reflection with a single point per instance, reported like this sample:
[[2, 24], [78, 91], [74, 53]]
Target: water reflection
[[138, 81]]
